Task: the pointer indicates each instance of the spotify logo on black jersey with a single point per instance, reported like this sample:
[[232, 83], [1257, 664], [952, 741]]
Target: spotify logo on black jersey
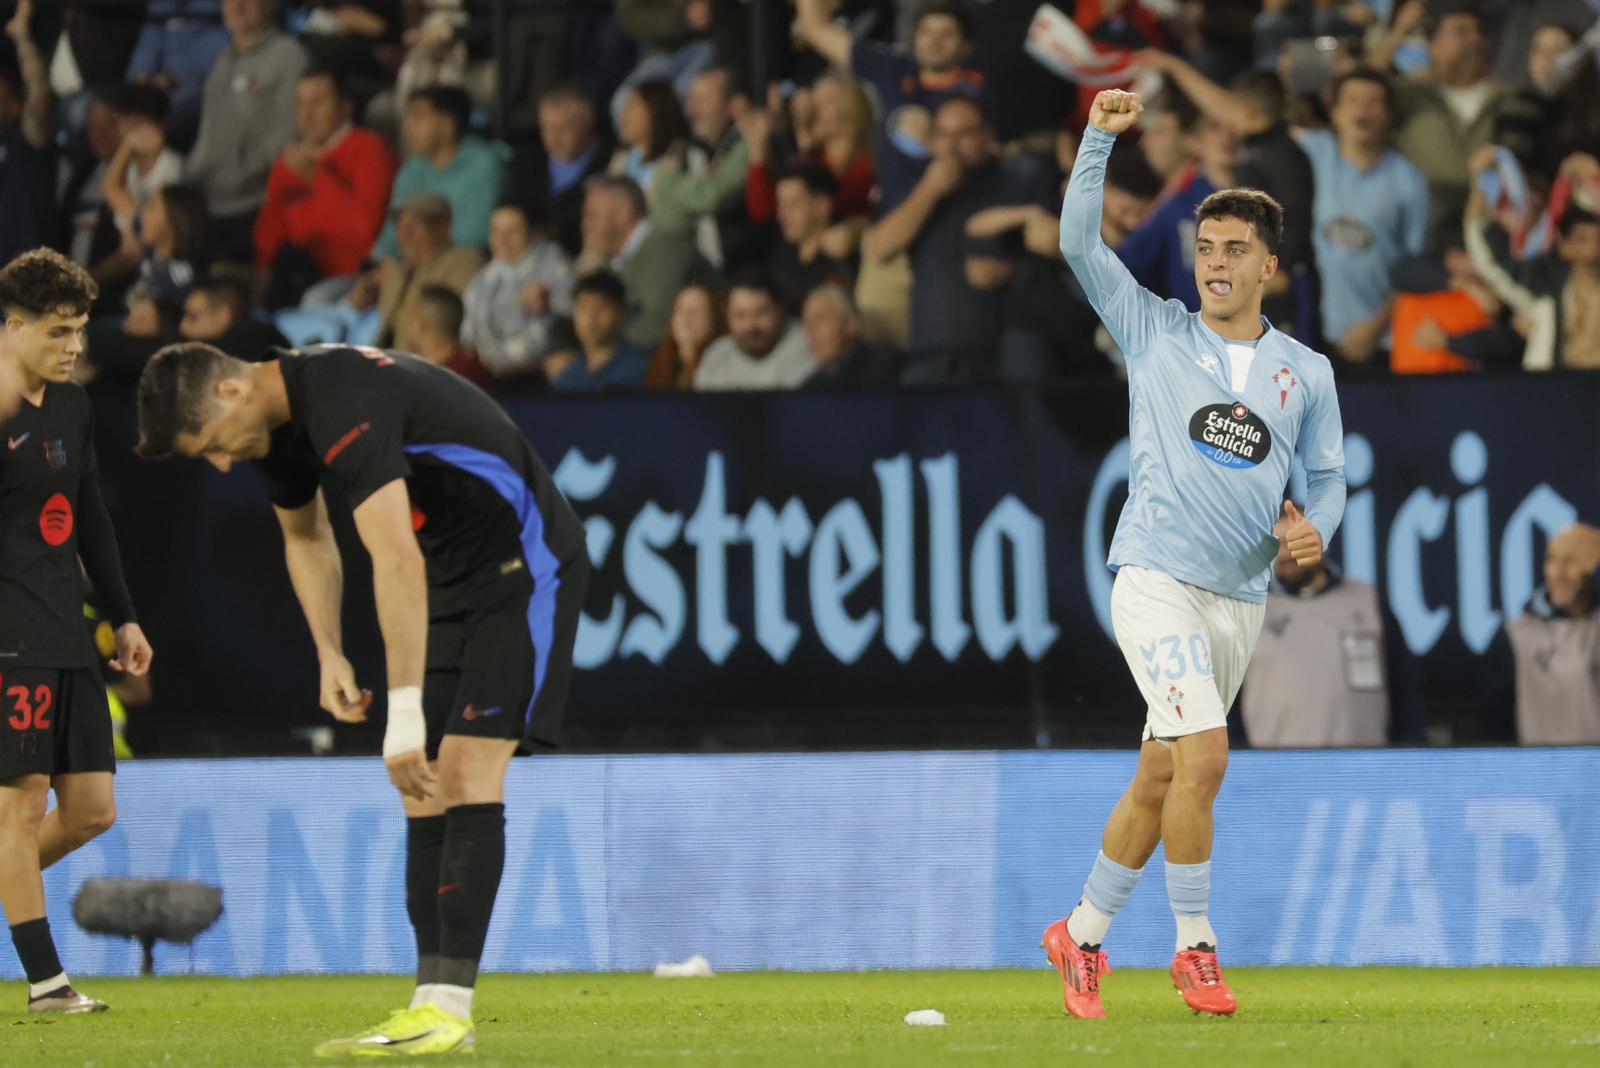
[[1230, 435]]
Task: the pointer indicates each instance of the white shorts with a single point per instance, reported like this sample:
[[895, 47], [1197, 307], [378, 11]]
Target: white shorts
[[1187, 648]]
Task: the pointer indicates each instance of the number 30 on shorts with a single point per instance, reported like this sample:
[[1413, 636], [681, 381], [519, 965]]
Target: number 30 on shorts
[[30, 709], [1167, 656]]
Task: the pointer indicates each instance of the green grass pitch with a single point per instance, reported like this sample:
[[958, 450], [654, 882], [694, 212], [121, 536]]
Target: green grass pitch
[[1289, 1017]]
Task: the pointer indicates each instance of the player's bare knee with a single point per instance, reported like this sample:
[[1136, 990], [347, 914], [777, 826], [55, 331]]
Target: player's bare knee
[[23, 802], [466, 779], [85, 825], [1201, 773], [1150, 787]]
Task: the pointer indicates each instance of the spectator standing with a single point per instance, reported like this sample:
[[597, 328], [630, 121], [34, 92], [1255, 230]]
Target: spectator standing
[[176, 49], [1444, 118], [764, 349], [832, 126], [512, 304], [1160, 251], [910, 88], [443, 158], [1270, 160], [27, 151], [1556, 294], [246, 117], [958, 282], [699, 317], [1554, 645], [1370, 212], [326, 194], [1328, 667]]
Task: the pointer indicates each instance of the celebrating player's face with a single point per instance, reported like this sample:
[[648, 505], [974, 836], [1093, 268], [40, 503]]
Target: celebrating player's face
[[47, 348], [1230, 263]]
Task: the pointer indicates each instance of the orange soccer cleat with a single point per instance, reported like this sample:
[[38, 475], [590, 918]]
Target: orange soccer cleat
[[1198, 977], [1080, 970]]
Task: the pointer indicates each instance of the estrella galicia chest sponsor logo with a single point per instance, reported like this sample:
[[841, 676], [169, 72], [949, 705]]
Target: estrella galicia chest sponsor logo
[[1230, 435]]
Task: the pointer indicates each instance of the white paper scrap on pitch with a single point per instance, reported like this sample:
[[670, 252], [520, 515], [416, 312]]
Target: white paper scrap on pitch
[[696, 967], [925, 1018]]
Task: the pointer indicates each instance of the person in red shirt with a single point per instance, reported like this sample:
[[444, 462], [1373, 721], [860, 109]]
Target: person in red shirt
[[326, 195]]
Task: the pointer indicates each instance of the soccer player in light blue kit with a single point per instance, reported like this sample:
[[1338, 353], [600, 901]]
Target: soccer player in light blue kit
[[1219, 405]]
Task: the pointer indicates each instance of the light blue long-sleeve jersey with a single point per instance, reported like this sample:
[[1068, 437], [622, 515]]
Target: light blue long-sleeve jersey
[[1213, 424]]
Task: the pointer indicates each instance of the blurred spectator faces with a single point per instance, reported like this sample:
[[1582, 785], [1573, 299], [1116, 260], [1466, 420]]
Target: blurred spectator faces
[[831, 323], [426, 129], [205, 315], [1361, 110], [839, 107], [103, 129], [1121, 213], [509, 233], [597, 315], [803, 212], [320, 109], [566, 124], [1216, 145], [1569, 568], [1580, 240], [961, 132], [1162, 141], [247, 18], [694, 319], [709, 105], [755, 319], [1549, 42], [1458, 49], [943, 39], [608, 219], [422, 228]]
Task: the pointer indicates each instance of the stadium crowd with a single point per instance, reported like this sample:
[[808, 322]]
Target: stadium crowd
[[881, 210]]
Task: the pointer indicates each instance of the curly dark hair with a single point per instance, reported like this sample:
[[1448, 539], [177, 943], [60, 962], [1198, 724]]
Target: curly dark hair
[[44, 282], [1264, 214], [176, 391]]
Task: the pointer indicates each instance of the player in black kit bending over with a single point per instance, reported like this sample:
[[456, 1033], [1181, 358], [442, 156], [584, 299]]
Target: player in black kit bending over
[[479, 566]]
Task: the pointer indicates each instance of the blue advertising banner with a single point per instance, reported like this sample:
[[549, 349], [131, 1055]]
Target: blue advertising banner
[[887, 860], [881, 570]]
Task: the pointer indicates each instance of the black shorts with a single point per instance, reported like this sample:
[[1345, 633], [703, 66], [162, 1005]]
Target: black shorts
[[54, 721], [502, 670]]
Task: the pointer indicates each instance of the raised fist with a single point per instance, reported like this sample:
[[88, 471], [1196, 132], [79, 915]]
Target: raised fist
[[1115, 110]]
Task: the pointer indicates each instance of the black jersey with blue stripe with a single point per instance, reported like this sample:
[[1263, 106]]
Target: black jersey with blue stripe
[[484, 506]]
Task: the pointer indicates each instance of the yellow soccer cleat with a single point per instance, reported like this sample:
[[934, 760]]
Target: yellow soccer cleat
[[416, 1032]]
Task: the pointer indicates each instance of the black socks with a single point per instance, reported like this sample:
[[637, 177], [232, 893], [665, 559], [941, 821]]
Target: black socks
[[37, 950], [424, 858], [474, 855]]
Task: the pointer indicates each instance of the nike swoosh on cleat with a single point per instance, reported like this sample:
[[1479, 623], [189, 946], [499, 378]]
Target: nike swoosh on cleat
[[384, 1040]]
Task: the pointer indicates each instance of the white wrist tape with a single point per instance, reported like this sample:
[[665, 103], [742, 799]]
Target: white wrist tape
[[405, 730]]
